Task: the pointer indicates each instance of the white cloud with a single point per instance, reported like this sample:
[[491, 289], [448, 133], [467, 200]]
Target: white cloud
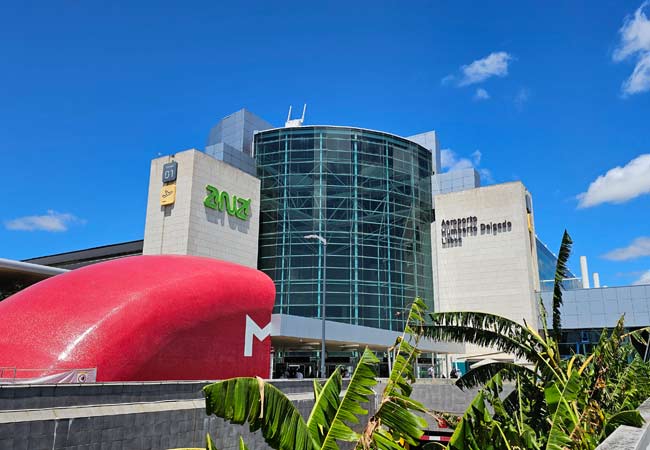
[[493, 65], [481, 94], [635, 34], [52, 221], [639, 81], [638, 248], [619, 184], [523, 95], [449, 79], [476, 157], [486, 175], [635, 41], [643, 279], [450, 161]]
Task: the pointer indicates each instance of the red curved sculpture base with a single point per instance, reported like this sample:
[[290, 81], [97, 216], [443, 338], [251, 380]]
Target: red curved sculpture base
[[142, 318]]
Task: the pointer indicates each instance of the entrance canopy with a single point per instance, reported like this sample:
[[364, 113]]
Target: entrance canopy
[[304, 334]]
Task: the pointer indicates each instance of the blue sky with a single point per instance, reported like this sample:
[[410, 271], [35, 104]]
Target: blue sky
[[555, 95]]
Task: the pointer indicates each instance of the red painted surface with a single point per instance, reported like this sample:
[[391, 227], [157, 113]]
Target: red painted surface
[[141, 318]]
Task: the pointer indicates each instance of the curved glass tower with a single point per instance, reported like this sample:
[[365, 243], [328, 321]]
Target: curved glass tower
[[369, 194]]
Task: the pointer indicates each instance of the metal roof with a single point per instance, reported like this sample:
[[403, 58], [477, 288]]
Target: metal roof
[[19, 271]]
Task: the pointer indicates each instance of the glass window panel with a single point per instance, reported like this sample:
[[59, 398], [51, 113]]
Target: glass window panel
[[356, 207]]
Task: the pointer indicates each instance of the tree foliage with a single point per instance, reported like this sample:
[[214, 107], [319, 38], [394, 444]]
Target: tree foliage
[[551, 403], [561, 273], [336, 412], [556, 404]]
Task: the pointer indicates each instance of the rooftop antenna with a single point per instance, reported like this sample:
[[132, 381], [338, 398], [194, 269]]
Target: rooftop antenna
[[296, 122]]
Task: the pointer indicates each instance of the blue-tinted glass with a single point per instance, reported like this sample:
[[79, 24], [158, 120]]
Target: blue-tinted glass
[[369, 195]]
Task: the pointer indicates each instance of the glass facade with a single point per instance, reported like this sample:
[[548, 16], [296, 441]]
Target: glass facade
[[583, 341], [546, 261], [580, 341], [369, 194]]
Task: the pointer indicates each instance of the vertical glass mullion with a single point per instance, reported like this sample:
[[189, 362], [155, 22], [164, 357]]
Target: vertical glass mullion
[[388, 241], [320, 226], [355, 208], [283, 288], [413, 222]]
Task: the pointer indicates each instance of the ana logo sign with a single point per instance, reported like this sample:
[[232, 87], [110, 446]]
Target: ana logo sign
[[252, 329], [168, 194], [235, 206]]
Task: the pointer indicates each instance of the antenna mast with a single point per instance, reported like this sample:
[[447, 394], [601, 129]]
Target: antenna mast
[[295, 122]]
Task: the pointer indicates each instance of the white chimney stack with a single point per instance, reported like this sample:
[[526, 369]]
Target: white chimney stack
[[596, 280], [584, 272]]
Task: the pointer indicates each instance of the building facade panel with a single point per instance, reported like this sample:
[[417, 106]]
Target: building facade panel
[[368, 193], [599, 308], [192, 228], [486, 252]]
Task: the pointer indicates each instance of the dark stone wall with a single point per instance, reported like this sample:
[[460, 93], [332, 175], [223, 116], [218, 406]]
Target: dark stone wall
[[134, 416]]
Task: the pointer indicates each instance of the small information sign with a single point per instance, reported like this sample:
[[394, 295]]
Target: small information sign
[[169, 172], [168, 194]]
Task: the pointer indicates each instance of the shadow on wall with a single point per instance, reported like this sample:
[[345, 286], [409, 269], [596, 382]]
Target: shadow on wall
[[234, 223]]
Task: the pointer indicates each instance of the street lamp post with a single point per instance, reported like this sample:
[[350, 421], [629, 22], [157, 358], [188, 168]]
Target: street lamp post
[[323, 241]]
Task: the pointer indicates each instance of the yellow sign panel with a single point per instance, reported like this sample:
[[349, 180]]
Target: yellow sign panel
[[168, 194]]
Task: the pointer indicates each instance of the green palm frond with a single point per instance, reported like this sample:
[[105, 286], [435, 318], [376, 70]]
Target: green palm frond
[[326, 405], [242, 444], [402, 374], [399, 422], [561, 273], [209, 445], [382, 439], [481, 375], [359, 391], [527, 406], [264, 407], [317, 388], [415, 318], [637, 335], [394, 419], [476, 429], [486, 330], [630, 418], [565, 422]]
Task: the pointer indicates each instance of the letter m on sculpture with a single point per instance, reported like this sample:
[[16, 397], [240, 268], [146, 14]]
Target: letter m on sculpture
[[252, 329]]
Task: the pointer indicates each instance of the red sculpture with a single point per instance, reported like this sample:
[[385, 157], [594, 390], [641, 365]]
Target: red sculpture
[[143, 318]]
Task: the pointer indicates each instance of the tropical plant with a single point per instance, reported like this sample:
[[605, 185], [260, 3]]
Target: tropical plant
[[336, 412], [555, 404]]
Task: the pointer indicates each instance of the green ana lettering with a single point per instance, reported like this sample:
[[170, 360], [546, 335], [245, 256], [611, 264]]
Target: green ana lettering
[[235, 206]]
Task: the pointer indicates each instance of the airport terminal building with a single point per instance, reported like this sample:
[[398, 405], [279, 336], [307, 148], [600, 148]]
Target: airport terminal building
[[361, 220]]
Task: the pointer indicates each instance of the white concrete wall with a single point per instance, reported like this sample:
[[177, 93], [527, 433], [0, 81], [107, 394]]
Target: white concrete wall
[[188, 227], [488, 273]]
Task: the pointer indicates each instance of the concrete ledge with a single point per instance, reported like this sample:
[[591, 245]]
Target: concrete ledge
[[134, 426], [36, 396], [630, 438], [112, 418]]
